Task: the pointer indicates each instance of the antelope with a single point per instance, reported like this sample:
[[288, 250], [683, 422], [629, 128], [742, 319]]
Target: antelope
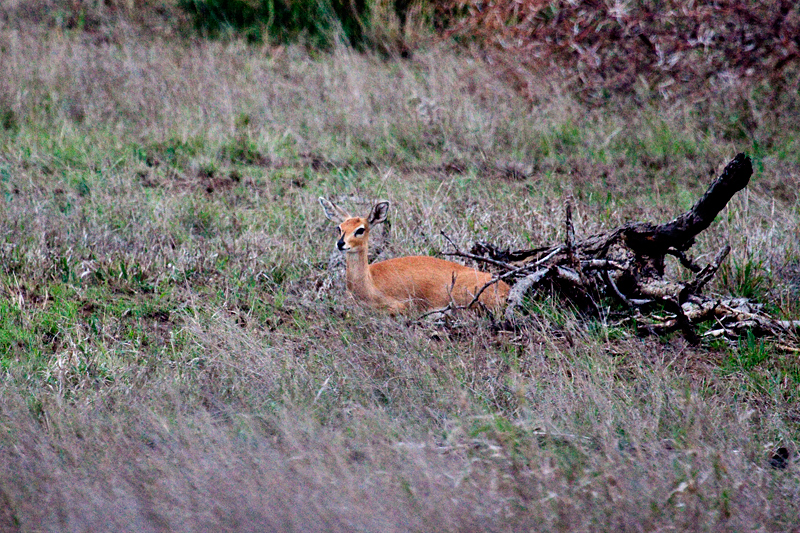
[[403, 284]]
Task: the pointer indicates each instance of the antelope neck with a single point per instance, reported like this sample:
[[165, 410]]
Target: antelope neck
[[359, 279]]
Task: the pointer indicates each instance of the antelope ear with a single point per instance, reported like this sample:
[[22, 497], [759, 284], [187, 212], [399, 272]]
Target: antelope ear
[[333, 211], [378, 213]]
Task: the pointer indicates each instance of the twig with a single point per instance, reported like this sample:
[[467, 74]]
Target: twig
[[562, 272], [467, 255], [684, 260], [683, 322], [448, 307], [569, 239], [630, 302], [562, 436], [480, 291], [557, 250], [787, 348], [602, 264], [448, 239], [321, 389], [705, 275]]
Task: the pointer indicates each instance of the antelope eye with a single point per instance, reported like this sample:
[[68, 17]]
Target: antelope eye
[[359, 232]]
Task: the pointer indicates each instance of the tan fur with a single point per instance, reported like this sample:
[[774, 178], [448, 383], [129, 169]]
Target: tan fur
[[398, 285]]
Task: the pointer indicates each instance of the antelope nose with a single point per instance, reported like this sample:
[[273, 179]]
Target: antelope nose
[[340, 245]]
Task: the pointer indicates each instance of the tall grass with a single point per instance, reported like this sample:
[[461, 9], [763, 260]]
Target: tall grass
[[176, 354]]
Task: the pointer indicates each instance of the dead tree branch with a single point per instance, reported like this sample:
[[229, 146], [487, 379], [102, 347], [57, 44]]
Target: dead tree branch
[[627, 265]]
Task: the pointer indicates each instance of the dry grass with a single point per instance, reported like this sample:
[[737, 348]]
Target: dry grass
[[176, 357]]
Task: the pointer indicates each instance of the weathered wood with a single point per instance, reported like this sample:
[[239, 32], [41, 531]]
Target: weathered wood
[[647, 239], [627, 264]]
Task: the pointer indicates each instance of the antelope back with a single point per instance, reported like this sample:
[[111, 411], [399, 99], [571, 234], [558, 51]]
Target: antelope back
[[430, 283]]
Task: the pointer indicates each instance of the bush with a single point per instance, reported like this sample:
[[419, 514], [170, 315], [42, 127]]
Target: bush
[[319, 21], [665, 48]]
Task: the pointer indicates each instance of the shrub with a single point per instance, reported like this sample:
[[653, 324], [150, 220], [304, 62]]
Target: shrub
[[654, 47], [319, 21]]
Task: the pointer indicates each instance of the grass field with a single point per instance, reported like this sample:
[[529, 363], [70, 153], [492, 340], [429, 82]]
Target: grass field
[[178, 355]]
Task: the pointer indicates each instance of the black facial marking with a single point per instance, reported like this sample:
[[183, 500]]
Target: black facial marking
[[359, 232]]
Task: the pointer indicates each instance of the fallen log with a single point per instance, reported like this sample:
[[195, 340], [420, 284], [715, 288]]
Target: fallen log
[[626, 264]]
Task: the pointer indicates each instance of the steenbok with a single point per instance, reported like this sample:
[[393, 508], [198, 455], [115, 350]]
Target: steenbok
[[403, 284]]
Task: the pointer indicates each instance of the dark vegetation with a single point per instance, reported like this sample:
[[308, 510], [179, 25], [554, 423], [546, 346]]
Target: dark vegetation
[[664, 47], [316, 21]]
